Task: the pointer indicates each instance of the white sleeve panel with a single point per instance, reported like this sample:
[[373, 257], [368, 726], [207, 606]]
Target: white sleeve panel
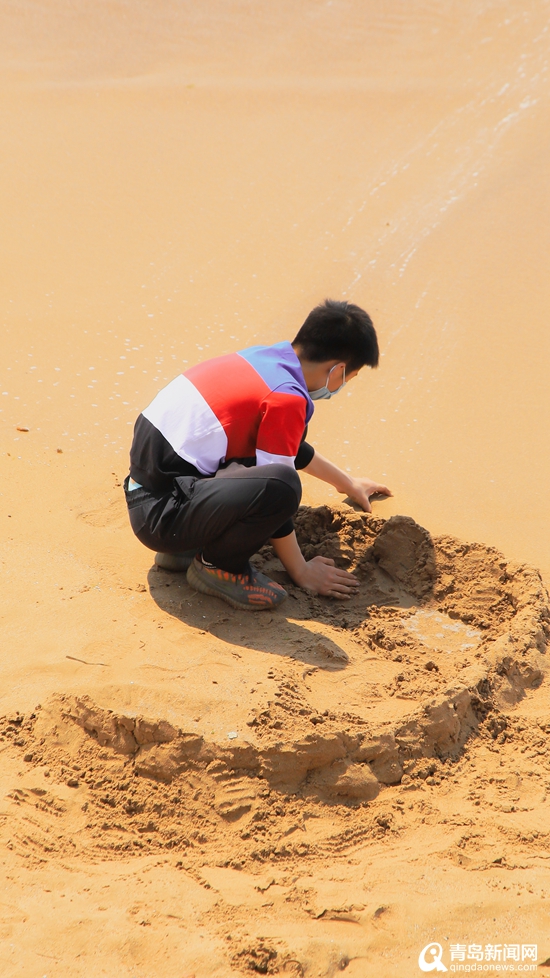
[[189, 425], [267, 458]]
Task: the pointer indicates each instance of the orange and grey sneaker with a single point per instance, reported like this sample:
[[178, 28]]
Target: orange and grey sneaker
[[250, 591]]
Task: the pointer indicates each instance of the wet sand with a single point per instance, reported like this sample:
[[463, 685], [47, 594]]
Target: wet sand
[[178, 182]]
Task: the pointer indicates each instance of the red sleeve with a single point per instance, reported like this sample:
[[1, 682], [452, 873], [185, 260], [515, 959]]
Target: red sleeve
[[282, 424]]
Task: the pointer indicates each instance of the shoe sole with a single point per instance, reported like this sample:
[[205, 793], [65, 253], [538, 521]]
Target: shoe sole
[[195, 581], [174, 562]]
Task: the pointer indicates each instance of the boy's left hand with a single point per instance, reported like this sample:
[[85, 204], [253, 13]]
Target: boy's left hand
[[362, 489]]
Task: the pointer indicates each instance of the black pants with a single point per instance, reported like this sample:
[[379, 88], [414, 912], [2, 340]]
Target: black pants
[[227, 518]]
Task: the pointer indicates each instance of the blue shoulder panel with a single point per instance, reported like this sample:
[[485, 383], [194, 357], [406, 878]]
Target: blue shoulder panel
[[280, 369]]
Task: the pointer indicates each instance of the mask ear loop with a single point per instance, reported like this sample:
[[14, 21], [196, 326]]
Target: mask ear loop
[[343, 384], [323, 393]]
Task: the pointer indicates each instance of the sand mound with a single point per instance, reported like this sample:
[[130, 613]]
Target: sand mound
[[442, 641]]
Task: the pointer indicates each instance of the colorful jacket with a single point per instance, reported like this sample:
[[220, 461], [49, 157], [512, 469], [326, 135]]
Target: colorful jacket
[[252, 407]]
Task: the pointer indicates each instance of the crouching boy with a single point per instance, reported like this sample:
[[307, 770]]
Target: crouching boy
[[214, 460]]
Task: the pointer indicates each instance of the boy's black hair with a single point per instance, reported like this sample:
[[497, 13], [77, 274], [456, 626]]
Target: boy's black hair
[[338, 331]]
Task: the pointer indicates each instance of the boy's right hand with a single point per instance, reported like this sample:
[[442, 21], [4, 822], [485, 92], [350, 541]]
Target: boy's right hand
[[323, 577]]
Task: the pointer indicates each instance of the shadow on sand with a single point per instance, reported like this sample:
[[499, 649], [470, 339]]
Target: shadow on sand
[[267, 631]]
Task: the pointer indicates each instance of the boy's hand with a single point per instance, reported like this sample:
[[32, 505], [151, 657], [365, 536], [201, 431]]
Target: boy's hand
[[362, 489], [357, 489], [322, 576]]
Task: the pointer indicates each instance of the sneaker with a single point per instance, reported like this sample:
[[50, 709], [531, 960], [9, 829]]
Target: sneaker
[[175, 562], [250, 591]]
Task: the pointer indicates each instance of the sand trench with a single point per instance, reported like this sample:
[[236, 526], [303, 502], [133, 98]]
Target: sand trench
[[442, 642]]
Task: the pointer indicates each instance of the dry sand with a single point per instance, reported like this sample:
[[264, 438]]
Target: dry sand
[[185, 790]]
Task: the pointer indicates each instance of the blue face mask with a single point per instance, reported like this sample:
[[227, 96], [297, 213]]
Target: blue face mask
[[323, 393]]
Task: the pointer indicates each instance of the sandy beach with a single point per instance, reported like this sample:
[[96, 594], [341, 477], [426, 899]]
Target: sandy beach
[[186, 790]]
